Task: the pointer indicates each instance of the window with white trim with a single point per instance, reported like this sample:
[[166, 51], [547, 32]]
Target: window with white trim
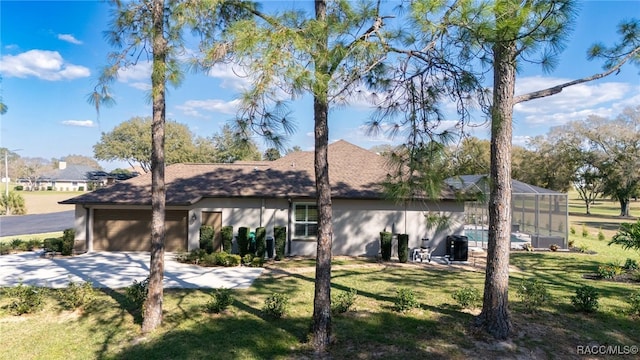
[[305, 220]]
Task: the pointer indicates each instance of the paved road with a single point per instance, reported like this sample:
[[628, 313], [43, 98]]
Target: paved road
[[36, 223]]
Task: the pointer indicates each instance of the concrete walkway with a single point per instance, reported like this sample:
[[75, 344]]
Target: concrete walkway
[[117, 270]]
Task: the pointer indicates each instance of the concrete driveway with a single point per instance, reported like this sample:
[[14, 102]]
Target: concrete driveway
[[117, 270]]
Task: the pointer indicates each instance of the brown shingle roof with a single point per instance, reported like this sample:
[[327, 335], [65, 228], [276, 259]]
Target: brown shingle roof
[[353, 171]]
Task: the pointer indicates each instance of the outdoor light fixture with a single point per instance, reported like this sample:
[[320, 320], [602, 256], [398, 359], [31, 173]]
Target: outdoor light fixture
[[193, 218]]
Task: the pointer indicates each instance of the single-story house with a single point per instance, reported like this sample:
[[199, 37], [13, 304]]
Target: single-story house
[[265, 194], [67, 177]]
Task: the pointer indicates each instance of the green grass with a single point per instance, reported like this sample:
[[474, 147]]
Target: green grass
[[33, 236]]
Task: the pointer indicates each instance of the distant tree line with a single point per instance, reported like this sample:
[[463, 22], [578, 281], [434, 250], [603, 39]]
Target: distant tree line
[[597, 157]]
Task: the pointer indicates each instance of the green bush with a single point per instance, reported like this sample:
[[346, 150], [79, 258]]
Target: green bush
[[200, 257], [77, 295], [276, 305], [261, 242], [221, 299], [630, 265], [137, 293], [533, 294], [405, 300], [206, 238], [609, 271], [68, 239], [572, 230], [257, 262], [34, 244], [343, 301], [13, 202], [571, 243], [467, 297], [227, 239], [24, 299], [243, 241], [52, 244], [403, 247], [585, 232], [4, 248], [634, 302], [601, 235], [247, 259], [586, 299], [583, 248], [18, 188], [385, 245], [232, 260], [210, 259], [280, 235], [635, 275]]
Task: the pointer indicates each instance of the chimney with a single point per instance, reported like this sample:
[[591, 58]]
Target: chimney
[[62, 165]]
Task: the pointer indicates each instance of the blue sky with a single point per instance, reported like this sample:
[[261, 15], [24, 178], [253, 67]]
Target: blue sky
[[51, 53]]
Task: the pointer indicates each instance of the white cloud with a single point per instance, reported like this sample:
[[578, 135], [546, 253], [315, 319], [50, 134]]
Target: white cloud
[[42, 64], [81, 123], [136, 74], [232, 76], [69, 38], [573, 103], [195, 107]]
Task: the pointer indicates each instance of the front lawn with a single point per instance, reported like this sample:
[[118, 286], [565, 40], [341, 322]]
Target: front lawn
[[438, 329]]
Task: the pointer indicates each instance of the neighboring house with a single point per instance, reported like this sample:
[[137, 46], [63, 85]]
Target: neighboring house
[[268, 194], [67, 177]]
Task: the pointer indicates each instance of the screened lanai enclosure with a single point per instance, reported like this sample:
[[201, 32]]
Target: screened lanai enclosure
[[540, 216]]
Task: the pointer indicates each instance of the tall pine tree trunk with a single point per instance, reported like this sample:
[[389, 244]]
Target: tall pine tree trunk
[[322, 295], [152, 317], [494, 317]]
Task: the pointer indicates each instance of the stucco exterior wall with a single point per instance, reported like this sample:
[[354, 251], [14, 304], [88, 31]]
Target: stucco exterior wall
[[357, 225]]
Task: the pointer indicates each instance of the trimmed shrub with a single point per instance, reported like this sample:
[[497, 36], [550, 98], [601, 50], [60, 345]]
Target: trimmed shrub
[[232, 260], [243, 241], [68, 238], [227, 239], [257, 262], [385, 245], [280, 235], [206, 238], [405, 300], [5, 249], [586, 299], [137, 293], [261, 242], [533, 294], [403, 247], [630, 265], [221, 299], [247, 259], [276, 305], [34, 244], [634, 302], [343, 301], [52, 244], [25, 299], [77, 295], [467, 297], [18, 188]]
